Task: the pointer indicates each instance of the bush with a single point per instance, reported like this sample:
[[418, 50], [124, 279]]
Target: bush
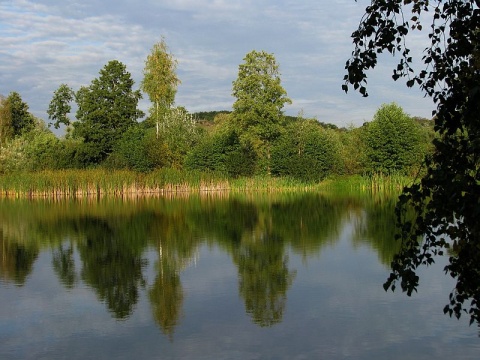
[[222, 152], [138, 150], [305, 151]]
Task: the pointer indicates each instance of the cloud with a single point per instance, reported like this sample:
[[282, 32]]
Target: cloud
[[49, 42]]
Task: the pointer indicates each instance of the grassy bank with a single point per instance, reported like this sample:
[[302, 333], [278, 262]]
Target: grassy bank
[[98, 182]]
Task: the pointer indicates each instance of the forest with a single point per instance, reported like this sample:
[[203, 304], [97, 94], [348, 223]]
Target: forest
[[256, 138]]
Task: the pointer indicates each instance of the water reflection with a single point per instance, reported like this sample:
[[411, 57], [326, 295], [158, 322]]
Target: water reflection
[[374, 226], [103, 244], [111, 256], [17, 259], [64, 264]]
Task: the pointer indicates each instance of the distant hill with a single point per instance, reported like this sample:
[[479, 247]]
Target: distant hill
[[208, 116]]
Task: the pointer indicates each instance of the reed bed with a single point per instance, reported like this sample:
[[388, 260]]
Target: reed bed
[[99, 182], [376, 182]]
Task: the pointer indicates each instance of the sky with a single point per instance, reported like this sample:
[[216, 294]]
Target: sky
[[45, 43]]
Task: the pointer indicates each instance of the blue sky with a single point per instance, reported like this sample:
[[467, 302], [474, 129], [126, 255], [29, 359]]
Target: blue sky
[[45, 43]]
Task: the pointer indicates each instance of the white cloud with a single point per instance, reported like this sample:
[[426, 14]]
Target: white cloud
[[49, 42]]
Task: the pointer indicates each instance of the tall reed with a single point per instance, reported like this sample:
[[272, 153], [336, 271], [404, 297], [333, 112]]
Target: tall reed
[[373, 182], [97, 182]]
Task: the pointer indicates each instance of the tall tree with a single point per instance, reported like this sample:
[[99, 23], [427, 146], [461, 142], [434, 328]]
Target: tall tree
[[260, 100], [16, 119], [6, 128], [160, 80], [106, 109], [446, 198], [60, 105]]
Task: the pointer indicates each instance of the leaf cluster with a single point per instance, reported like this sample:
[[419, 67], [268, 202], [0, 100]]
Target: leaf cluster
[[445, 199]]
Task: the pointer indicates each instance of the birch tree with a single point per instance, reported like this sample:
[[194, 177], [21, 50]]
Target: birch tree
[[160, 80]]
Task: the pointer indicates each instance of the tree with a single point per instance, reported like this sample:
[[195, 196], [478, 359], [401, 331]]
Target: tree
[[180, 134], [6, 128], [222, 152], [106, 109], [160, 80], [445, 199], [15, 119], [60, 105], [138, 150], [305, 151], [392, 140], [260, 100]]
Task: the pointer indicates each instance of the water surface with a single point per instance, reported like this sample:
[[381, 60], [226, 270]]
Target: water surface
[[290, 276]]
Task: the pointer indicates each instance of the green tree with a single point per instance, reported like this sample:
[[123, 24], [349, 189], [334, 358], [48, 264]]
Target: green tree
[[60, 105], [392, 141], [42, 150], [223, 152], [17, 119], [6, 128], [37, 149], [180, 134], [106, 109], [138, 150], [304, 151], [260, 100], [446, 197], [351, 151], [160, 81]]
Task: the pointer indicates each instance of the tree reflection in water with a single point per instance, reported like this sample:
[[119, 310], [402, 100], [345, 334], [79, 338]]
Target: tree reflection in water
[[264, 277], [110, 239], [111, 266], [16, 260]]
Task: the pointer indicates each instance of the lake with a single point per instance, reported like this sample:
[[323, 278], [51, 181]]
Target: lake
[[216, 276]]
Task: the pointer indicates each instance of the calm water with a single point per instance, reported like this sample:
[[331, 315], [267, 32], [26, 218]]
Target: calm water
[[232, 277]]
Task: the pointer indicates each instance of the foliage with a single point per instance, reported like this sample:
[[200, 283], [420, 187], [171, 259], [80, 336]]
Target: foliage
[[160, 80], [222, 152], [138, 150], [304, 151], [38, 149], [15, 119], [60, 105], [6, 128], [392, 141], [209, 116], [179, 133], [260, 99], [351, 151], [106, 109], [446, 198]]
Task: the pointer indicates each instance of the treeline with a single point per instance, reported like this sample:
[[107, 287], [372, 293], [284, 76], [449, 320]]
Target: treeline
[[256, 138]]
